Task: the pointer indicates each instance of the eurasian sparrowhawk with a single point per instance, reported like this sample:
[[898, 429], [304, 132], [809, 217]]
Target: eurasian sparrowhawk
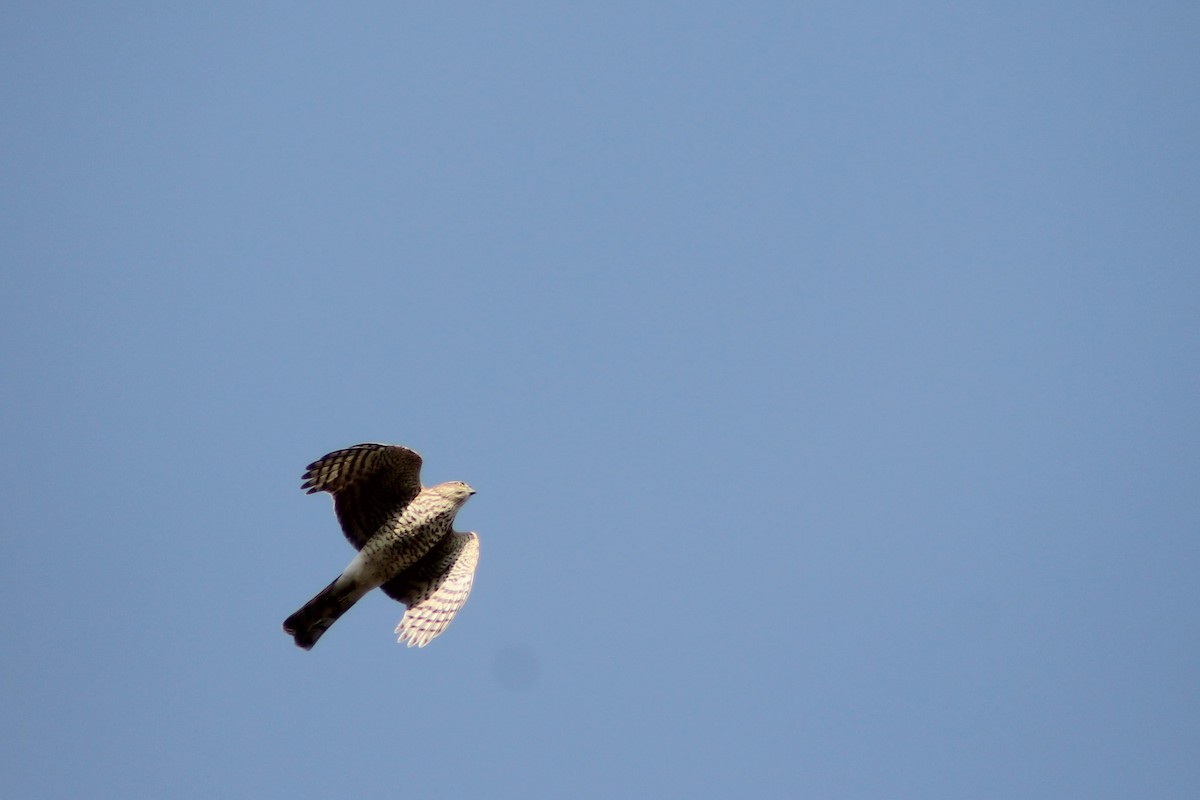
[[405, 540]]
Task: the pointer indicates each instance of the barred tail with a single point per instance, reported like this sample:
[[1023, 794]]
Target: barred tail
[[315, 617]]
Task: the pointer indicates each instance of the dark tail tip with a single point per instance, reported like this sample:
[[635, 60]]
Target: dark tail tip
[[304, 637], [306, 632], [307, 624]]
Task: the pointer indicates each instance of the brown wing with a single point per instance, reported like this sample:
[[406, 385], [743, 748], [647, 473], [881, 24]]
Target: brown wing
[[435, 588], [369, 483]]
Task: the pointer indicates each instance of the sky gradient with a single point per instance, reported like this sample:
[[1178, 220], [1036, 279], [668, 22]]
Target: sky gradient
[[828, 374]]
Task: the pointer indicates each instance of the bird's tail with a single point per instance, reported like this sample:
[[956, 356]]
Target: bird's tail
[[315, 616]]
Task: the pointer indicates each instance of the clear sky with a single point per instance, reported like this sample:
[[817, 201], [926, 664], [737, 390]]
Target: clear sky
[[828, 374]]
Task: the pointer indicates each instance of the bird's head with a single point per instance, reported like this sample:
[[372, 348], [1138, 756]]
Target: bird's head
[[456, 492]]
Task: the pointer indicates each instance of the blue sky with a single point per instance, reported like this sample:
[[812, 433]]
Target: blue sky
[[828, 374]]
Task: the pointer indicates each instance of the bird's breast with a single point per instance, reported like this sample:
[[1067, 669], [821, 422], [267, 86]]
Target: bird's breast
[[400, 543]]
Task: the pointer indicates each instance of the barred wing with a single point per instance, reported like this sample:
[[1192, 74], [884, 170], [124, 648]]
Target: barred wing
[[369, 483], [435, 588]]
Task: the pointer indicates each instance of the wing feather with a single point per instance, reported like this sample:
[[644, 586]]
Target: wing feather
[[435, 588], [369, 483]]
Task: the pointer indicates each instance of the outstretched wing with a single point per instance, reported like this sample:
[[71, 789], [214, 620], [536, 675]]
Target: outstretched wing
[[369, 483], [435, 588]]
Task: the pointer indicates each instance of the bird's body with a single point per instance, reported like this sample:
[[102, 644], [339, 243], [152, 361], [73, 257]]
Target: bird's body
[[405, 538]]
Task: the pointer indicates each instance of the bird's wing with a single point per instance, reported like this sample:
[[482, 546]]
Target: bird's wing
[[369, 483], [435, 588]]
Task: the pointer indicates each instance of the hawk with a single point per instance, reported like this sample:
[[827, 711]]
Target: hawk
[[404, 535]]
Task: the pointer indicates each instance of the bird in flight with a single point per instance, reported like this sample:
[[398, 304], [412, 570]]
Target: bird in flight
[[405, 537]]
